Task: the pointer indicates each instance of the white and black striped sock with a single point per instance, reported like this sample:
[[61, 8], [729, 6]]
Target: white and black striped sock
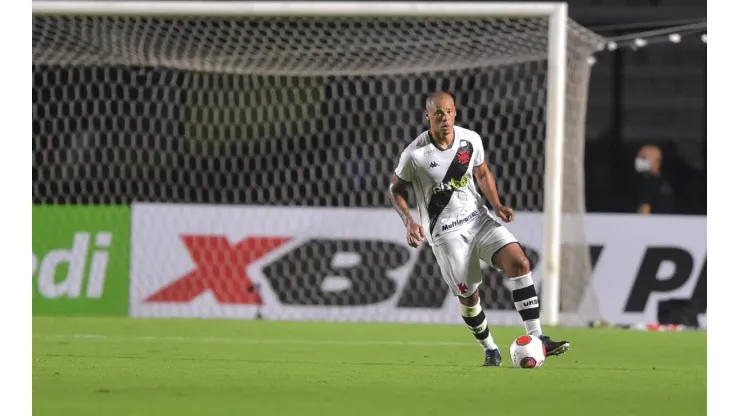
[[475, 319], [527, 303]]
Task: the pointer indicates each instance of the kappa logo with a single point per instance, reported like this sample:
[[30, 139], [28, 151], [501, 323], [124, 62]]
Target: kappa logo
[[433, 165], [220, 268]]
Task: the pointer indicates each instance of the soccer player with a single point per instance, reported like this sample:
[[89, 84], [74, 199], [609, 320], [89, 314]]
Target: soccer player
[[439, 165]]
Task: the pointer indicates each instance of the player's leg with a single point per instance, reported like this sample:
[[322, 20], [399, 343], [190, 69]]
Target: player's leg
[[475, 319], [499, 248], [460, 267], [514, 263]]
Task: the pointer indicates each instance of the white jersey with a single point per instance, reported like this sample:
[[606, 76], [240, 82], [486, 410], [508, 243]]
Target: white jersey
[[443, 181]]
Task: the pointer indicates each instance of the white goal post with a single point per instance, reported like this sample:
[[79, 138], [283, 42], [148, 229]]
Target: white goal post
[[557, 76]]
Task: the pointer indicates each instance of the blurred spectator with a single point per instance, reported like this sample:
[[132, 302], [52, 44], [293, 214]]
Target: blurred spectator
[[656, 194]]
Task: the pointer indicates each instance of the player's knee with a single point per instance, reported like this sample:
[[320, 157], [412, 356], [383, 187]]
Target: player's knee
[[470, 300], [519, 266]]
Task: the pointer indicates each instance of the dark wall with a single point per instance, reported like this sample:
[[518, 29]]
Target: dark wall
[[651, 95]]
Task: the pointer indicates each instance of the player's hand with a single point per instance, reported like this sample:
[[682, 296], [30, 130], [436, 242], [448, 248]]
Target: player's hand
[[414, 234], [505, 213]]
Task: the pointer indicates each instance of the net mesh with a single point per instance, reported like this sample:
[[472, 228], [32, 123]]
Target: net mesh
[[297, 112]]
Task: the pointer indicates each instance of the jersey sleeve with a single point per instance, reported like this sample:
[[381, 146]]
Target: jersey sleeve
[[405, 169], [478, 152]]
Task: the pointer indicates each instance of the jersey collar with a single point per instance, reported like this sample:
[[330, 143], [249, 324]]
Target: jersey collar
[[452, 143]]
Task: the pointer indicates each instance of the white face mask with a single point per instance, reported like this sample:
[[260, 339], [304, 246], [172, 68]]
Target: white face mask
[[642, 165]]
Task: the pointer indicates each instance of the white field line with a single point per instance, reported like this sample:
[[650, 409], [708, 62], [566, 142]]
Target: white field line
[[245, 341]]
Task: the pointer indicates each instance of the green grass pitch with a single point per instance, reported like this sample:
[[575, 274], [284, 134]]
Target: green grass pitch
[[116, 366]]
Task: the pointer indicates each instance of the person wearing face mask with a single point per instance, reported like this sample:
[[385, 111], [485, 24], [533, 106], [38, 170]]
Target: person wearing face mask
[[656, 193]]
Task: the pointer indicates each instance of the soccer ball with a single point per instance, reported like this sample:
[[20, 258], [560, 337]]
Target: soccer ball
[[527, 352]]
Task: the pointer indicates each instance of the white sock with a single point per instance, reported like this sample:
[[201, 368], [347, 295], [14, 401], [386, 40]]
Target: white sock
[[475, 319]]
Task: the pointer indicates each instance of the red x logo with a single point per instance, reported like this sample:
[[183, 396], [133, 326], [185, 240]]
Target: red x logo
[[220, 268]]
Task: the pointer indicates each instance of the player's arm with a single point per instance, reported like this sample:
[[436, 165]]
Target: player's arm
[[399, 192], [487, 184]]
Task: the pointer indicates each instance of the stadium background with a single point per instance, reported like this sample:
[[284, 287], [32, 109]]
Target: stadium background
[[654, 95], [134, 136], [123, 135]]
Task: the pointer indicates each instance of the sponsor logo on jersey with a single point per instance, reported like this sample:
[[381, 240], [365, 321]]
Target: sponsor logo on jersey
[[433, 165], [457, 223], [452, 185]]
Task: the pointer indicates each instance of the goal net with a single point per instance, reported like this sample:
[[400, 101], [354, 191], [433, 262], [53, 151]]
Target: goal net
[[260, 149]]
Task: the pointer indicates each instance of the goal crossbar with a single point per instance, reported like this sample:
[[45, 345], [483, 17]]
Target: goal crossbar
[[266, 8], [557, 14]]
